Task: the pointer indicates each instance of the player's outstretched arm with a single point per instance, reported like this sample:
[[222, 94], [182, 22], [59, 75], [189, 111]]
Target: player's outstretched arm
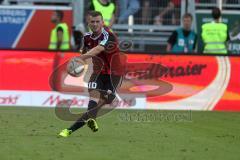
[[74, 68], [93, 52]]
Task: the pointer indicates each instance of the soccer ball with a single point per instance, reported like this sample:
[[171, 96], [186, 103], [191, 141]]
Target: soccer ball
[[75, 67]]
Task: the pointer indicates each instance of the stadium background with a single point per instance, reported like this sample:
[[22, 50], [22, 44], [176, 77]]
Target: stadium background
[[25, 26], [26, 65]]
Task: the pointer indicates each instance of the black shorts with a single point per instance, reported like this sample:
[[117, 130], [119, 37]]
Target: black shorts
[[104, 82]]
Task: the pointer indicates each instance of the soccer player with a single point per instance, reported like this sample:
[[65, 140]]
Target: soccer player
[[101, 45]]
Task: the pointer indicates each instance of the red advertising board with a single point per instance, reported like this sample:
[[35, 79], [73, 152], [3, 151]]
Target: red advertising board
[[29, 27], [197, 82]]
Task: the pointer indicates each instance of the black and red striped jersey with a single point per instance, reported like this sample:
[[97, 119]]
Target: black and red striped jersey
[[107, 39]]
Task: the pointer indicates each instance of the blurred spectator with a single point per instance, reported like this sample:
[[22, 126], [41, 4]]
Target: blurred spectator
[[59, 39], [148, 9], [183, 40], [215, 34], [172, 12], [127, 8], [107, 8]]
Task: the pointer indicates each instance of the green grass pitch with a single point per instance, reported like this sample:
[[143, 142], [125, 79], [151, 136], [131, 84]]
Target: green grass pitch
[[30, 133]]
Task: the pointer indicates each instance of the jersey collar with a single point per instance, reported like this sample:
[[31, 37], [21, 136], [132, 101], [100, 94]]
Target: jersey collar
[[94, 38]]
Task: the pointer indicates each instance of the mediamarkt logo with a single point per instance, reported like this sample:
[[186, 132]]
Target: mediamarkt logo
[[53, 100], [9, 100]]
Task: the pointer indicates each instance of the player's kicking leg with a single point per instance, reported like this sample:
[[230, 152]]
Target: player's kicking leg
[[88, 118], [101, 94]]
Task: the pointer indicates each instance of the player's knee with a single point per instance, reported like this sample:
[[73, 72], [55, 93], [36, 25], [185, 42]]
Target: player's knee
[[110, 98], [94, 95]]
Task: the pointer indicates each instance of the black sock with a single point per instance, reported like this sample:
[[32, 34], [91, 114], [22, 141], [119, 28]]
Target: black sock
[[78, 124], [90, 113], [92, 109]]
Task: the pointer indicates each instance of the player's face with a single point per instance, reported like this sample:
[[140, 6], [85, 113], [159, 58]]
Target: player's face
[[95, 24], [187, 23], [54, 17]]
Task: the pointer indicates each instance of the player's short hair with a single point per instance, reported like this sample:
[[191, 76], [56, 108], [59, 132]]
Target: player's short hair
[[188, 15], [60, 14], [94, 14], [216, 13]]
